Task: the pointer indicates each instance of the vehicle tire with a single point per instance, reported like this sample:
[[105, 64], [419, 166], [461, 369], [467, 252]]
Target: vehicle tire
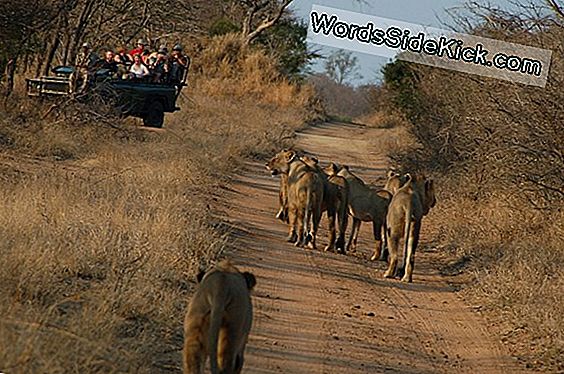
[[155, 115]]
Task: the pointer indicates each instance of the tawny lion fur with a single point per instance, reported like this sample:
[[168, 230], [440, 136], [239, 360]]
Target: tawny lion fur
[[218, 321], [394, 181], [366, 204], [409, 205], [335, 195], [305, 188]]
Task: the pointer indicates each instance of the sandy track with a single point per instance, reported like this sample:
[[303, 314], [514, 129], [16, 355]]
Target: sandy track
[[319, 312]]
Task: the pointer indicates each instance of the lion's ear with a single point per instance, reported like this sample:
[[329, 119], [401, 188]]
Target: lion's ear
[[292, 156], [391, 173], [334, 169], [200, 276], [250, 280]]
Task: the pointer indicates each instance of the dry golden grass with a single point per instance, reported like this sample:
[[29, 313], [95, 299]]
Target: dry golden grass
[[104, 228], [97, 258], [515, 257], [229, 68], [495, 149], [382, 119]]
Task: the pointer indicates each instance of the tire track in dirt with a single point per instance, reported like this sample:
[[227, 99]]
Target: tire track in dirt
[[319, 312]]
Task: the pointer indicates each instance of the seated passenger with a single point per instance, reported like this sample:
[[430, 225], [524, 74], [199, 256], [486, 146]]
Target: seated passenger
[[124, 57], [152, 58], [179, 63], [122, 68], [109, 63], [161, 66], [145, 57], [138, 69], [141, 46]]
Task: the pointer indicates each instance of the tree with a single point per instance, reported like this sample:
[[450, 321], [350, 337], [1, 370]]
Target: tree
[[286, 41], [342, 66], [268, 12]]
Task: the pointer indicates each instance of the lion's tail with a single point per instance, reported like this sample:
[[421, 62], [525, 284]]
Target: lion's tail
[[308, 211], [216, 317], [406, 242]]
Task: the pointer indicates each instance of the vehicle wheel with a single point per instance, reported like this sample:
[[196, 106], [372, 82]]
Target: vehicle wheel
[[155, 115]]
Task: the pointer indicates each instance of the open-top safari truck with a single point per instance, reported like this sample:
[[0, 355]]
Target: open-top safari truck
[[137, 98]]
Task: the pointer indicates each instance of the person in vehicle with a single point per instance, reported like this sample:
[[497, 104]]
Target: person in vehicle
[[161, 66], [141, 46], [122, 68], [179, 63], [124, 58], [109, 63], [85, 66], [152, 59], [145, 57], [138, 69]]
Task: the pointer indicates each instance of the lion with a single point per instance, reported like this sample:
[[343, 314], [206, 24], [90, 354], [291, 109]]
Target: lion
[[335, 203], [394, 181], [305, 197], [409, 205], [335, 196], [366, 204], [218, 320]]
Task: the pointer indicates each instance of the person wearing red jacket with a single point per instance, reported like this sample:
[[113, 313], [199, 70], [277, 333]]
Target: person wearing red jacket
[[141, 44]]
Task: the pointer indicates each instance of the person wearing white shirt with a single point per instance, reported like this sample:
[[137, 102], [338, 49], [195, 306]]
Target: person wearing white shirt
[[138, 69]]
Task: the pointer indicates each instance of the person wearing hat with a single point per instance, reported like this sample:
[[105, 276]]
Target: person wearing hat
[[84, 66], [141, 46], [152, 58], [161, 66], [179, 63]]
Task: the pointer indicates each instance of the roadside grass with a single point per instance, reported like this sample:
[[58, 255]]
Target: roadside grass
[[495, 150], [104, 225], [513, 257], [382, 119]]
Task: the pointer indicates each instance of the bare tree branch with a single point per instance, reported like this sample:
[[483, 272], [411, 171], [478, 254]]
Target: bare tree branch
[[267, 22], [557, 9]]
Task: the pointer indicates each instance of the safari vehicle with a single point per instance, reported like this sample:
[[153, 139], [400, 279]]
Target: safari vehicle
[[136, 98]]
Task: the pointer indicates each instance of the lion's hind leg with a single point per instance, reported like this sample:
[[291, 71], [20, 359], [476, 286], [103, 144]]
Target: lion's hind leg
[[393, 244], [331, 216], [292, 220], [409, 260], [351, 245], [300, 228], [194, 353], [316, 219], [377, 231]]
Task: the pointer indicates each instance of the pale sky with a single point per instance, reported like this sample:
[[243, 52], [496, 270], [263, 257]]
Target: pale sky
[[424, 12]]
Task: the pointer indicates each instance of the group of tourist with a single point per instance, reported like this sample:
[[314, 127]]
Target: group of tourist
[[137, 64]]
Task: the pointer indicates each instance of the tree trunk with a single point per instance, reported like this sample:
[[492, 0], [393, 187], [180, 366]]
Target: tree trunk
[[10, 71], [51, 54]]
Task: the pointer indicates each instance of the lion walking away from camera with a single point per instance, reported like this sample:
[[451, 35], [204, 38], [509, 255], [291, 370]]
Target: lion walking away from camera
[[409, 205], [218, 320]]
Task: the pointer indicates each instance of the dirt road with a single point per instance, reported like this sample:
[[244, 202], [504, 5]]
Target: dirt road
[[319, 312]]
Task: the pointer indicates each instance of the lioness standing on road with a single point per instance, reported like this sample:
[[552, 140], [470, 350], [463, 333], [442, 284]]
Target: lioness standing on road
[[366, 204], [218, 320], [409, 205], [305, 197], [335, 203], [394, 181]]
